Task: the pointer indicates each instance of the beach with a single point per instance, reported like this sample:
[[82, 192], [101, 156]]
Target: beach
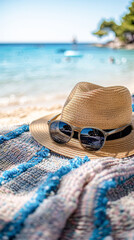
[[17, 114], [35, 79]]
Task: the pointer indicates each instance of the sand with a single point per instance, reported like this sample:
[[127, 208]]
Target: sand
[[25, 115], [17, 112]]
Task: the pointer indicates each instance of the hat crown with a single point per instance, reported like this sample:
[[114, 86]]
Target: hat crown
[[102, 107]]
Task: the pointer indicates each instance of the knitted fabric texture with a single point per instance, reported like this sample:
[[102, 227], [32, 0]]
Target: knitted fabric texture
[[46, 196]]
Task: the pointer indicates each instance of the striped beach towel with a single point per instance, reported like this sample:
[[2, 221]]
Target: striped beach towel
[[46, 196]]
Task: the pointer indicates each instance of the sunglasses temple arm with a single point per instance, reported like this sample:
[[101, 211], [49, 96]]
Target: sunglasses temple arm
[[53, 118], [117, 130]]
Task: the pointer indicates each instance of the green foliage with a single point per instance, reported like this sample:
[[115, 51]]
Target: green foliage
[[124, 31], [101, 33]]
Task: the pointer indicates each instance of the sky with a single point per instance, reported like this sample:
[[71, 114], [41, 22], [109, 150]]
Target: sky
[[56, 20]]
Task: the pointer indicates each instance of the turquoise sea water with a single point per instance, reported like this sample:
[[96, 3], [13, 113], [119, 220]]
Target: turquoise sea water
[[43, 69]]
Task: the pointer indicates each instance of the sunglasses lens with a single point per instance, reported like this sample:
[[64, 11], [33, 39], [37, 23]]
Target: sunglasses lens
[[60, 132], [92, 139]]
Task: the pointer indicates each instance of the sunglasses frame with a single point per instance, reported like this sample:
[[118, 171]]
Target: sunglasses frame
[[79, 129]]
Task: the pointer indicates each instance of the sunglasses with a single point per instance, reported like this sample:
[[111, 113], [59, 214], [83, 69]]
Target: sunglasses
[[91, 138]]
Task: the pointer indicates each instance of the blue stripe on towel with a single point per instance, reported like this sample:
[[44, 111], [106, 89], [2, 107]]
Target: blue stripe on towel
[[8, 175], [15, 133], [101, 223], [102, 227], [51, 184]]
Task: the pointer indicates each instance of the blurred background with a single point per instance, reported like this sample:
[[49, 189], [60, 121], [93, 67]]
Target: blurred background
[[46, 47]]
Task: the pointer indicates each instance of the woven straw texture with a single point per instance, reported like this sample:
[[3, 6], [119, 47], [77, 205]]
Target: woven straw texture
[[103, 107], [45, 196]]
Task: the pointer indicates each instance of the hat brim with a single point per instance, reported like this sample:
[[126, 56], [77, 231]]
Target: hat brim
[[119, 148]]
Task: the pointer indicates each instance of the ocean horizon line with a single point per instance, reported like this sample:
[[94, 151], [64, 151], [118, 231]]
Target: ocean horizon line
[[40, 43]]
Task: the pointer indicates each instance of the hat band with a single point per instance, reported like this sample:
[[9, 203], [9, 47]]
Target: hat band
[[120, 134]]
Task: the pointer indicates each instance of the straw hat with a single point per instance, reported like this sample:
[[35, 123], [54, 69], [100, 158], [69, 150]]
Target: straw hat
[[92, 105]]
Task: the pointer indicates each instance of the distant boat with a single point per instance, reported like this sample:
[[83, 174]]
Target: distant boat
[[72, 53]]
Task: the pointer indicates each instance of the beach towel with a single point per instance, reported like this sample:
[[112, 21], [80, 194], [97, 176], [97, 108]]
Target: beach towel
[[47, 196]]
